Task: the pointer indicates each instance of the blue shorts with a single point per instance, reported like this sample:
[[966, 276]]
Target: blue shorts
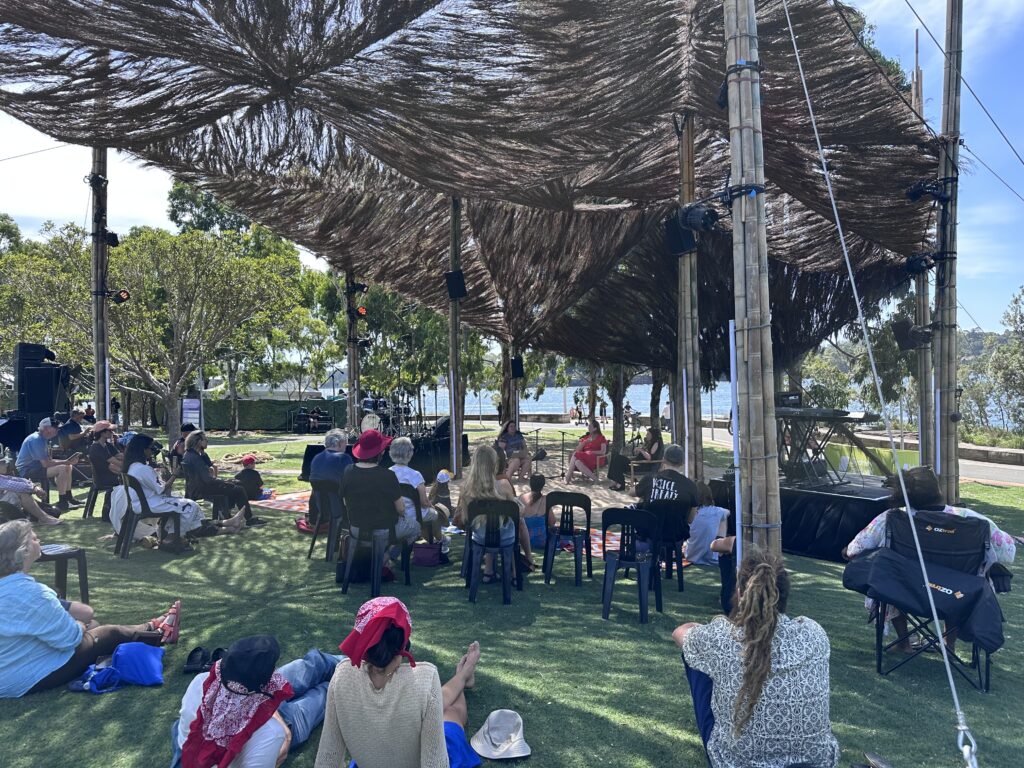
[[460, 754], [65, 604]]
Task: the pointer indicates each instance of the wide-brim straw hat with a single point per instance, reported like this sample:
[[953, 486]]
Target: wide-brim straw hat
[[501, 736]]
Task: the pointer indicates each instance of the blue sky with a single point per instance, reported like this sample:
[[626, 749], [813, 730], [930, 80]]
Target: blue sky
[[50, 185]]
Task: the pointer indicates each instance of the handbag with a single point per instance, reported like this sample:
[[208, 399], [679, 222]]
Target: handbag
[[426, 554], [139, 663]]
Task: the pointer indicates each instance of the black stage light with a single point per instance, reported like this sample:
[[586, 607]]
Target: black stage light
[[363, 344], [362, 311], [910, 336], [456, 282], [110, 238], [919, 263], [698, 218], [357, 287], [120, 297], [931, 187], [517, 367]]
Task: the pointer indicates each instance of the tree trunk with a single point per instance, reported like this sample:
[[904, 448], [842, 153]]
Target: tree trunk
[[126, 411], [233, 394], [172, 412], [506, 383], [592, 393], [659, 377], [152, 411], [617, 394]]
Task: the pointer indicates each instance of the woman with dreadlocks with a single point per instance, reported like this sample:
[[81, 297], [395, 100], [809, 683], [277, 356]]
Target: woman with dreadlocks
[[759, 678]]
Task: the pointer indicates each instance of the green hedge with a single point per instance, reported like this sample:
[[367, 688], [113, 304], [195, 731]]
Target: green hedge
[[273, 415]]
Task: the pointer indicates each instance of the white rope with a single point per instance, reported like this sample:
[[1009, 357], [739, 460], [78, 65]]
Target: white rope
[[966, 744]]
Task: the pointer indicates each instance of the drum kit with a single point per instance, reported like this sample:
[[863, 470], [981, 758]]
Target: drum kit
[[391, 416]]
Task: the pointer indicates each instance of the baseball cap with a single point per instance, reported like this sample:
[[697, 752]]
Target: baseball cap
[[248, 459], [674, 454]]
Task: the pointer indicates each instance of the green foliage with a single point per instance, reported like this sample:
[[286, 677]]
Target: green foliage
[[825, 384], [191, 207], [10, 234], [1007, 364]]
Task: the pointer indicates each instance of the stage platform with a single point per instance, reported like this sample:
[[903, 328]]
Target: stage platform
[[820, 521]]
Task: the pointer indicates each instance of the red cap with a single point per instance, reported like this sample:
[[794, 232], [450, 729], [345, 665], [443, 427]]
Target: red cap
[[248, 459], [373, 618], [370, 444]]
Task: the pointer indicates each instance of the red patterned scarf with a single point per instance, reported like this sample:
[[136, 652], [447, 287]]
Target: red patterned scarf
[[227, 720]]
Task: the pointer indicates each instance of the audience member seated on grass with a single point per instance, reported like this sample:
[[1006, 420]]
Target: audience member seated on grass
[[250, 479], [34, 462], [651, 450], [370, 492], [70, 435], [482, 483], [46, 642], [207, 484], [440, 495], [102, 450], [671, 495], [331, 463], [401, 451], [244, 714], [591, 448], [517, 454], [759, 679], [20, 493], [137, 460], [383, 713], [707, 523], [924, 493]]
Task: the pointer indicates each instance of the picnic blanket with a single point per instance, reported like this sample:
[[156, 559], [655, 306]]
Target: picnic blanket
[[286, 502]]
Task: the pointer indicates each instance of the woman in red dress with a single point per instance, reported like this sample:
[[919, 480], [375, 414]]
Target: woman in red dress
[[591, 448]]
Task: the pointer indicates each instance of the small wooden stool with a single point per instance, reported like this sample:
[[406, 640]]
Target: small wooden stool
[[59, 554]]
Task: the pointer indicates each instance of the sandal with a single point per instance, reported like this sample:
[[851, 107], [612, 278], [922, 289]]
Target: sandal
[[171, 626], [197, 661]]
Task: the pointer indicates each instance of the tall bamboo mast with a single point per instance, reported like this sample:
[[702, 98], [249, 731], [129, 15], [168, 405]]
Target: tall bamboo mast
[[923, 318], [454, 394], [353, 351], [98, 182], [687, 322], [948, 464], [758, 465]]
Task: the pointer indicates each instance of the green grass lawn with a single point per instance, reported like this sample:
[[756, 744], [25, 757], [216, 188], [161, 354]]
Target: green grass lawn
[[591, 692]]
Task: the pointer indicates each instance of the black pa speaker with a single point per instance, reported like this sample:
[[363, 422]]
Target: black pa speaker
[[517, 367], [44, 389], [678, 240], [910, 336], [456, 282]]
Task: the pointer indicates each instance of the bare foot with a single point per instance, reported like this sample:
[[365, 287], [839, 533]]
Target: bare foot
[[467, 665], [49, 519]]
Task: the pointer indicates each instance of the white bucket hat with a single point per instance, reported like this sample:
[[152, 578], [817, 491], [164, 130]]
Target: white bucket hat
[[501, 736]]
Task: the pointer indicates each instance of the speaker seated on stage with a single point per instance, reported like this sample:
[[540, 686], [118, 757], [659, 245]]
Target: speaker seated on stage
[[652, 450], [924, 494], [34, 462], [70, 435], [517, 454]]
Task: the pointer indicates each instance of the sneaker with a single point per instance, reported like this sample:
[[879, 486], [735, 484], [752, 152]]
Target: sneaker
[[72, 502], [254, 522], [443, 558], [60, 506]]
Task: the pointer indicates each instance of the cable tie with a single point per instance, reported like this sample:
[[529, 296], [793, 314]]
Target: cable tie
[[762, 526], [742, 64], [739, 190]]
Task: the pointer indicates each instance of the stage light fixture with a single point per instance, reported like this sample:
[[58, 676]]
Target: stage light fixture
[[362, 311], [932, 187], [909, 336], [919, 263], [698, 218], [110, 238], [357, 287], [364, 344], [120, 297], [456, 284]]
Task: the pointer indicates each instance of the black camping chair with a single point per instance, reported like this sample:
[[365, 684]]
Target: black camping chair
[[566, 526], [494, 510], [141, 511], [378, 541], [193, 490], [631, 522], [413, 495], [951, 546], [326, 505]]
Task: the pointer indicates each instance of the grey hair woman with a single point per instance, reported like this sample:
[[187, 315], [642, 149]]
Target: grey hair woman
[[401, 452]]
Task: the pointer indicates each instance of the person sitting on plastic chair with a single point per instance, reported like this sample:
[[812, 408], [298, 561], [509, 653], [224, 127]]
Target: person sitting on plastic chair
[[924, 493]]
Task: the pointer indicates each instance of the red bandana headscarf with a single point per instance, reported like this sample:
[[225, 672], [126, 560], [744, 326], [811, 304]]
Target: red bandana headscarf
[[227, 720], [373, 618]]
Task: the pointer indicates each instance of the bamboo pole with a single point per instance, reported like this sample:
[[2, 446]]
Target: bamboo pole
[[758, 467], [923, 318], [353, 352], [945, 276], [688, 323], [454, 385], [98, 182]]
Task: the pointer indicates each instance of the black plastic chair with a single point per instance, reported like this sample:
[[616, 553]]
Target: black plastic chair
[[91, 499], [193, 490], [372, 539], [957, 543], [648, 572], [494, 510], [59, 555], [326, 505], [412, 494], [566, 526], [132, 516]]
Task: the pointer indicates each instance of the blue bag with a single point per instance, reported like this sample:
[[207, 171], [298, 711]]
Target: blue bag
[[139, 664], [93, 680]]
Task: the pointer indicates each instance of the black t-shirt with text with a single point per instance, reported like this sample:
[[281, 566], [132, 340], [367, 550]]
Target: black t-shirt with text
[[370, 494], [671, 495]]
